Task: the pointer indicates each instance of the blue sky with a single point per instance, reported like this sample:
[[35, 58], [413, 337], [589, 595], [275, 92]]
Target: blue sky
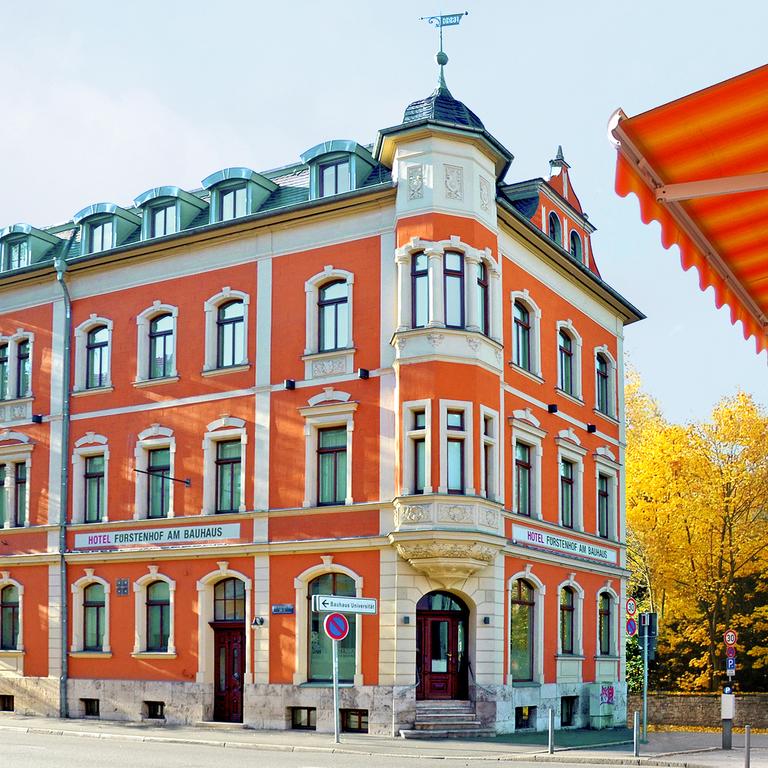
[[104, 100]]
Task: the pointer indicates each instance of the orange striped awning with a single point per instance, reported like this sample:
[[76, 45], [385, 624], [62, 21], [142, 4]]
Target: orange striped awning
[[699, 166]]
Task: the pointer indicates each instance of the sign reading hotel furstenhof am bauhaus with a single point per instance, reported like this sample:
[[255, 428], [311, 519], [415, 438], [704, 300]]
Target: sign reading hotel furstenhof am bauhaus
[[180, 534], [563, 544]]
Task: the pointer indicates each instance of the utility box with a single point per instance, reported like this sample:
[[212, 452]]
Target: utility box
[[727, 706], [601, 705]]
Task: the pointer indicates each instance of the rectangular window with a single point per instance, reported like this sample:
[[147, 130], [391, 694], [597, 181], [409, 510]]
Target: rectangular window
[[6, 703], [163, 220], [354, 720], [154, 710], [94, 489], [159, 482], [603, 505], [303, 718], [525, 717], [334, 178], [21, 494], [3, 371], [232, 202], [90, 707], [419, 290], [228, 461], [331, 465], [419, 464], [161, 347], [17, 254], [605, 624], [566, 493], [100, 236], [523, 474], [566, 620], [453, 275], [522, 330], [22, 369], [3, 496], [455, 422], [601, 376], [565, 352]]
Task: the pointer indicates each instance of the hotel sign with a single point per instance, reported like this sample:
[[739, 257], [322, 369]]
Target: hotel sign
[[563, 544], [180, 534]]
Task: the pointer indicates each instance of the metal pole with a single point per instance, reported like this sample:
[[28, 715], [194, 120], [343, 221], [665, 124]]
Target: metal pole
[[636, 734], [551, 737], [645, 684], [335, 691], [747, 746]]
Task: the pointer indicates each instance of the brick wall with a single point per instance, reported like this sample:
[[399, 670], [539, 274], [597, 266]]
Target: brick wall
[[699, 709]]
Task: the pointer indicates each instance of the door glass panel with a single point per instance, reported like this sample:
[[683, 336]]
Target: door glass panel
[[236, 662], [222, 668], [439, 646]]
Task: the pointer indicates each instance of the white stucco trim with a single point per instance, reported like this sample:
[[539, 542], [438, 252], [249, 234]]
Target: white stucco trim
[[312, 292], [539, 592], [226, 428], [7, 581], [78, 589], [10, 456], [211, 308], [143, 320], [81, 352], [151, 439], [88, 445], [140, 613], [411, 434]]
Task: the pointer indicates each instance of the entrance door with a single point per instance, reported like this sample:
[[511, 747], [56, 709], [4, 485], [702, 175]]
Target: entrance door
[[441, 647], [229, 673]]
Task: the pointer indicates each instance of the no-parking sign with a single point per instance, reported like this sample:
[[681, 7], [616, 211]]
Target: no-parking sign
[[336, 626]]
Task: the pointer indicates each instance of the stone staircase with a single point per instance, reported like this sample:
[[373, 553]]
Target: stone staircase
[[446, 720]]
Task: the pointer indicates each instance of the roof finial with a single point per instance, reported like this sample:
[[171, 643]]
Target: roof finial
[[443, 21]]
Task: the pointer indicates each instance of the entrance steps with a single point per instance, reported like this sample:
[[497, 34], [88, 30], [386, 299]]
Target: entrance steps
[[449, 719], [220, 725]]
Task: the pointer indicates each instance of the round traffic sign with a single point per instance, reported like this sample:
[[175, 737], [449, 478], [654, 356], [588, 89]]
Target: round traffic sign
[[631, 606], [730, 652], [336, 626], [730, 637], [631, 627]]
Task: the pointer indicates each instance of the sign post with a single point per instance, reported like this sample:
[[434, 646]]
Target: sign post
[[727, 699], [336, 627], [647, 631]]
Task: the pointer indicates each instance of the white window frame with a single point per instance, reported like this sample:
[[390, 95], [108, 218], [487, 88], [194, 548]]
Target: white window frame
[[150, 439], [312, 292], [569, 449], [78, 589], [7, 581], [223, 429], [539, 593], [526, 428], [211, 309], [11, 455], [13, 342], [578, 618], [605, 464], [140, 614], [86, 232], [581, 245], [570, 329], [87, 446], [410, 435], [492, 490], [301, 585], [466, 435], [534, 313], [613, 652], [612, 377], [81, 353], [330, 408], [143, 321]]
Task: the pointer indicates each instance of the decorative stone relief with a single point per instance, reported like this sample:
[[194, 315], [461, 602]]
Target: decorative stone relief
[[441, 549], [435, 339], [485, 194], [415, 182], [19, 411], [489, 518], [454, 182], [330, 367], [412, 513], [400, 343], [455, 513], [474, 343]]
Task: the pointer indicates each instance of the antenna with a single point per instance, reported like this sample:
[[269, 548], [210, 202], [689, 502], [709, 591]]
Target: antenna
[[449, 20]]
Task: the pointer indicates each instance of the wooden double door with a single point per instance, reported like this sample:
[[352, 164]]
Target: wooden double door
[[229, 671], [441, 654]]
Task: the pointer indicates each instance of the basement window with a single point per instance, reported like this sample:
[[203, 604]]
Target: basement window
[[90, 707], [6, 703], [525, 717], [568, 707], [154, 710], [354, 720], [303, 718]]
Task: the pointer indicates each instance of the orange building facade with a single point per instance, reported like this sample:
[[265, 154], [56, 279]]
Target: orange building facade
[[379, 372]]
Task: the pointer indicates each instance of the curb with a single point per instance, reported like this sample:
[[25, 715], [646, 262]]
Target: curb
[[531, 757]]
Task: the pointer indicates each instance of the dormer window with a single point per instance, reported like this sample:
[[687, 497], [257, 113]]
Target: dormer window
[[100, 235], [162, 220], [16, 254], [168, 210], [334, 178], [236, 192], [232, 202], [105, 226], [336, 167]]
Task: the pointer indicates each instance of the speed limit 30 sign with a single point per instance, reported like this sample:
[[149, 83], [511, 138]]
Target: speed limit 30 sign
[[730, 637]]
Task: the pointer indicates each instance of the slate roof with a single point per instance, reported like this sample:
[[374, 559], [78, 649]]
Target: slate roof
[[441, 106]]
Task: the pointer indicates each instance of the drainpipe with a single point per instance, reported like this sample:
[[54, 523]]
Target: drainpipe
[[60, 265]]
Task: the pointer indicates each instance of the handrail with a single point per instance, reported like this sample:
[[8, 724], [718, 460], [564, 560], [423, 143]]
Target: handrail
[[474, 680]]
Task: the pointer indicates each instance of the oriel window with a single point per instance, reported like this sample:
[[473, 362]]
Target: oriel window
[[453, 277], [419, 290], [455, 423]]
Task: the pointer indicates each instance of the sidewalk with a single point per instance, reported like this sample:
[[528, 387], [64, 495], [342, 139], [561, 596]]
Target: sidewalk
[[572, 747]]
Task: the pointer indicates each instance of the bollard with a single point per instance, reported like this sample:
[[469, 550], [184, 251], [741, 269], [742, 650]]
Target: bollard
[[551, 740], [747, 739], [636, 734]]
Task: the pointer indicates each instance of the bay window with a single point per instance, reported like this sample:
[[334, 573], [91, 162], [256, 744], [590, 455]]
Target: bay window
[[453, 286], [419, 290]]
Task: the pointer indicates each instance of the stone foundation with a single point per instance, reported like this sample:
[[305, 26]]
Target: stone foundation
[[32, 695], [700, 709]]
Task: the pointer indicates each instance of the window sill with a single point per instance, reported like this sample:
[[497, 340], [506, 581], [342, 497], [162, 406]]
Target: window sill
[[325, 685], [528, 374], [570, 656], [17, 400], [226, 369], [9, 653], [319, 355], [607, 416], [154, 655], [10, 528], [607, 657], [92, 391], [525, 684], [90, 654], [569, 396], [140, 383]]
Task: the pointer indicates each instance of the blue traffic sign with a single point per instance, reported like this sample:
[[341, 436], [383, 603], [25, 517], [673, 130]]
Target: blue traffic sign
[[631, 627], [336, 626], [730, 663], [730, 652]]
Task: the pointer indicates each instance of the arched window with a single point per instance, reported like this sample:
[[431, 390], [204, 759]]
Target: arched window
[[320, 661], [604, 625], [419, 290], [602, 383], [333, 319], [94, 609], [97, 357], [483, 304], [555, 230], [230, 334], [9, 618], [453, 277], [576, 250], [161, 346], [229, 600], [566, 493], [565, 353], [521, 631], [567, 610], [158, 616], [522, 331]]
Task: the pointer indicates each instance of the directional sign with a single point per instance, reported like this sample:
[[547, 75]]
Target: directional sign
[[631, 627], [329, 603], [336, 626], [730, 637], [631, 606], [730, 652], [730, 664]]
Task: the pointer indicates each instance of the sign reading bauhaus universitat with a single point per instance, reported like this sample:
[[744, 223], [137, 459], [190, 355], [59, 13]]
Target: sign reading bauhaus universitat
[[175, 535]]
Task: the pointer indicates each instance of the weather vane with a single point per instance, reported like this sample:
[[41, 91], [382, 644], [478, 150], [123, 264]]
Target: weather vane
[[450, 20]]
